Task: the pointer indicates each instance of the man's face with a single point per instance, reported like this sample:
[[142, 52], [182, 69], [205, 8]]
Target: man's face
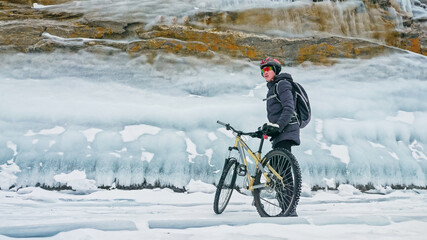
[[268, 73]]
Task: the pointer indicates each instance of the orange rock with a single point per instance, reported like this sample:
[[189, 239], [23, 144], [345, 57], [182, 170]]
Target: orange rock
[[414, 45]]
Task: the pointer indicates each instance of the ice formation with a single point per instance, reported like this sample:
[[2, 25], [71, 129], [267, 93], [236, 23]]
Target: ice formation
[[123, 126]]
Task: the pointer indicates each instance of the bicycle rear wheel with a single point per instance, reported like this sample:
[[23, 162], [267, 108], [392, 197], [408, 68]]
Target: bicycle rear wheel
[[225, 186], [278, 198]]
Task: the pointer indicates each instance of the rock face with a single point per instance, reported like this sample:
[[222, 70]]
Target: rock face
[[250, 34]]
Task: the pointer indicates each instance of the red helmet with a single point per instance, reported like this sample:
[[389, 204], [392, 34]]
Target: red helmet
[[277, 67]]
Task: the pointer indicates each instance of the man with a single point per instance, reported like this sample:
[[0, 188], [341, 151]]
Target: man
[[283, 124]]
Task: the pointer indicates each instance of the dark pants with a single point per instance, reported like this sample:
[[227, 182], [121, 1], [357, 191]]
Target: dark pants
[[286, 144]]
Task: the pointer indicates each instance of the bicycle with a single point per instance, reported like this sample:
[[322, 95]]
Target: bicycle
[[276, 186]]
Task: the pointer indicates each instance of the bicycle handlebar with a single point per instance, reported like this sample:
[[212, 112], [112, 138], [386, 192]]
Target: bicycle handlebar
[[219, 122], [257, 134]]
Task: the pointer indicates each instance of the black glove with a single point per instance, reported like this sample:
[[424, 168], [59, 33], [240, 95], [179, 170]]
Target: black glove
[[270, 129], [257, 134]]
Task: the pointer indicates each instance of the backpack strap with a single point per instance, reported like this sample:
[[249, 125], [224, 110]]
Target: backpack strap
[[276, 93]]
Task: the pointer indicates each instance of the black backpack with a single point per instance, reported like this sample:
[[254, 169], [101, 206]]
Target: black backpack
[[302, 103]]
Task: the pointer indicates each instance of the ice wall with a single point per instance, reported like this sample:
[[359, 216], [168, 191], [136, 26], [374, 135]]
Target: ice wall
[[123, 121], [147, 10], [169, 11]]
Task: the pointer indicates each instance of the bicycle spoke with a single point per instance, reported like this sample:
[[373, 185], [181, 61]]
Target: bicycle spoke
[[283, 201], [270, 202]]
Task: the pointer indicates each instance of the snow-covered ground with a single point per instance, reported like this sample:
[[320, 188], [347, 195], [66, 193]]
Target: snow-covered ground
[[163, 214]]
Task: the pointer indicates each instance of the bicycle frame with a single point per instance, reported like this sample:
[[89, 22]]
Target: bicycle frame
[[242, 148]]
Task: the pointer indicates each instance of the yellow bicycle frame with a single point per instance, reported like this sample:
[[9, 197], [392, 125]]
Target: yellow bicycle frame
[[242, 146]]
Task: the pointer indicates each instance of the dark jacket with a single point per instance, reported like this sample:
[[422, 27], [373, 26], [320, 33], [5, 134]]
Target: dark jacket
[[282, 112]]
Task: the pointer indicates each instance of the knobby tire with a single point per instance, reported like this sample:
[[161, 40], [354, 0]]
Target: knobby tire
[[225, 186], [277, 200]]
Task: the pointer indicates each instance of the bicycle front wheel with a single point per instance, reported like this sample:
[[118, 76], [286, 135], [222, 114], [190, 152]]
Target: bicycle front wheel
[[280, 196], [225, 186]]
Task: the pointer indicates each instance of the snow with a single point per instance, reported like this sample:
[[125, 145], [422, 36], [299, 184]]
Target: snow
[[164, 214], [115, 154], [394, 155], [309, 152], [133, 132], [8, 176], [376, 145], [305, 190], [417, 151], [330, 182], [53, 131], [347, 190], [91, 133], [39, 6], [381, 190], [340, 152], [199, 186], [402, 116], [191, 147], [77, 181], [12, 146], [212, 136], [147, 156]]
